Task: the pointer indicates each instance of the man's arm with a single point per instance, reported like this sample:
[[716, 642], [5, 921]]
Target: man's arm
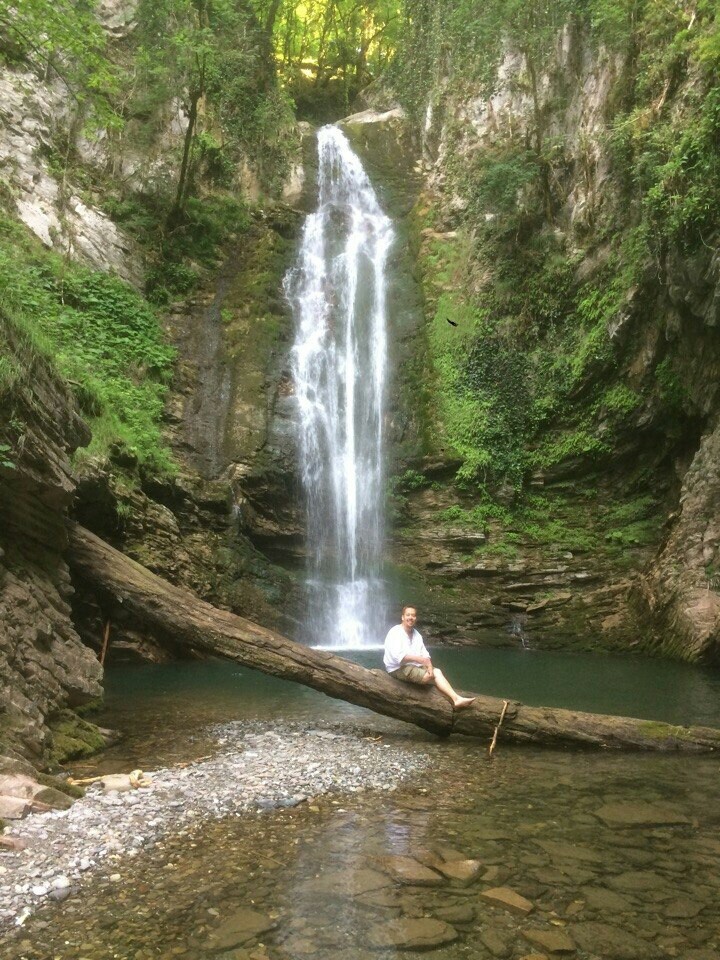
[[418, 659], [422, 658]]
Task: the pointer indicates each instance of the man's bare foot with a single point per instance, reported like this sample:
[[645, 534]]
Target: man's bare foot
[[463, 702]]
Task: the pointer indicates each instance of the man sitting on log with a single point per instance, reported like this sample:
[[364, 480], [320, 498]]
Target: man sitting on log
[[406, 658]]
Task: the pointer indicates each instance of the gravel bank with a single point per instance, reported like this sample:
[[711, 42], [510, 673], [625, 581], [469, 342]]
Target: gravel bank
[[258, 767]]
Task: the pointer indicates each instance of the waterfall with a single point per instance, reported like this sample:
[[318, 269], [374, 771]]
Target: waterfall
[[339, 363]]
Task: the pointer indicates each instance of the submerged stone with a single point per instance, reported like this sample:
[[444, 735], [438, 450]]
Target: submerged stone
[[459, 913], [346, 884], [242, 926], [409, 934], [602, 899], [554, 941], [409, 871], [497, 943], [509, 899], [570, 851], [448, 854], [462, 872], [640, 815], [684, 909], [606, 940]]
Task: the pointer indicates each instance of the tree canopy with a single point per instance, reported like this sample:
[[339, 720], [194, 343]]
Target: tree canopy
[[328, 50]]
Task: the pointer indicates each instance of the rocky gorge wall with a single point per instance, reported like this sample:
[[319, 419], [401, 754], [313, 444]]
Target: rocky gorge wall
[[45, 669], [553, 458], [191, 520], [585, 387]]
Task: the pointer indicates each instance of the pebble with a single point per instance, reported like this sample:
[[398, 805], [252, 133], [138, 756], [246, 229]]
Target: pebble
[[259, 767]]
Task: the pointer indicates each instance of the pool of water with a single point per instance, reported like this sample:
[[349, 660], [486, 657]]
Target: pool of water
[[162, 709]]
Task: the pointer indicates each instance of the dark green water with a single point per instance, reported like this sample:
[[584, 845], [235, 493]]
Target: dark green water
[[162, 709], [625, 686]]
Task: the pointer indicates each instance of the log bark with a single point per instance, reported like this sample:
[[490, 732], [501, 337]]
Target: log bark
[[191, 622]]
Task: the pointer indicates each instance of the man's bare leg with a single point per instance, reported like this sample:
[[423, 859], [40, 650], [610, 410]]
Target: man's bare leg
[[447, 691]]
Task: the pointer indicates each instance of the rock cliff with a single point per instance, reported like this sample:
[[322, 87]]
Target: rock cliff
[[564, 482], [44, 666]]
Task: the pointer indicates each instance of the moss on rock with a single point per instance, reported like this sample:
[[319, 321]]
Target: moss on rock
[[73, 737]]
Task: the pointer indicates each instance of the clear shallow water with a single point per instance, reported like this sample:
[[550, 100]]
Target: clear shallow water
[[536, 820]]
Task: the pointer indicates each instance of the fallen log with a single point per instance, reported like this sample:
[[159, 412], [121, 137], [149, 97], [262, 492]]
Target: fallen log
[[193, 623]]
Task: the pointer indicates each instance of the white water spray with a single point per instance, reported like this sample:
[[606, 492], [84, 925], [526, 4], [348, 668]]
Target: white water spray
[[339, 360]]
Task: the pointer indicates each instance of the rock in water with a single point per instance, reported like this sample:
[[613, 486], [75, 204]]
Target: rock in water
[[554, 941], [409, 871], [509, 899], [462, 872], [244, 925], [408, 934]]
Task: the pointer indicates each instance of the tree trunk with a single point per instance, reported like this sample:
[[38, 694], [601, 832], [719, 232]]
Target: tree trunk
[[187, 146], [188, 621]]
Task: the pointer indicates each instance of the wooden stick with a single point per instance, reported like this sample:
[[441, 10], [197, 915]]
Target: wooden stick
[[106, 641], [495, 735]]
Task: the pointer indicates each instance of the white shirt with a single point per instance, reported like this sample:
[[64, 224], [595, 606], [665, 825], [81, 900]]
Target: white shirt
[[398, 645]]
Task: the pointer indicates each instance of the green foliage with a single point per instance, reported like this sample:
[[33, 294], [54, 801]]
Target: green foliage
[[64, 39], [5, 461], [9, 372], [328, 50], [633, 523], [217, 53], [462, 41], [478, 516], [579, 523], [411, 480], [567, 445], [516, 354], [672, 391], [99, 334], [668, 158], [177, 256], [618, 401], [494, 183]]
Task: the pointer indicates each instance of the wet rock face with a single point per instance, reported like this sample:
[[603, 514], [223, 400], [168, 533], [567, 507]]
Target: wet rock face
[[681, 590], [44, 666], [539, 595], [384, 141]]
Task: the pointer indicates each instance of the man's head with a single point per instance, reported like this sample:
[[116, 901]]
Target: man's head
[[408, 618]]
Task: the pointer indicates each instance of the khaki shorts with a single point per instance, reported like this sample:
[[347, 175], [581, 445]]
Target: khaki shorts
[[410, 673]]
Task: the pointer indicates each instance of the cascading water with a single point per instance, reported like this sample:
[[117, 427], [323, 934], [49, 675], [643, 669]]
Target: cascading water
[[339, 360]]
